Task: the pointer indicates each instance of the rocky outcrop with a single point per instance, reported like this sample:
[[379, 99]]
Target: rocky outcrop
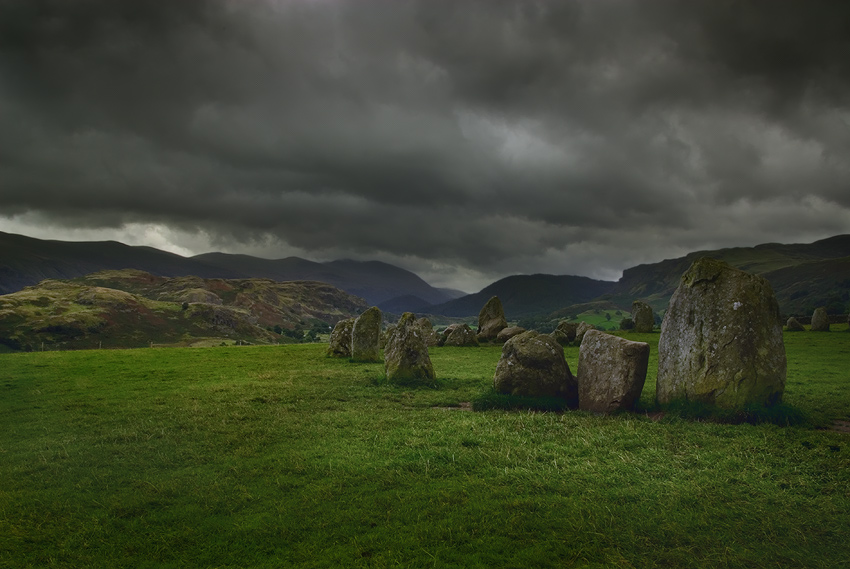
[[533, 364], [793, 325], [611, 372], [820, 320], [406, 356], [366, 336], [643, 317], [339, 345], [491, 320], [721, 339]]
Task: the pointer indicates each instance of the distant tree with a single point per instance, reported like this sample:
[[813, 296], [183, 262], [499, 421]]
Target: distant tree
[[185, 306], [608, 316], [627, 324], [278, 329]]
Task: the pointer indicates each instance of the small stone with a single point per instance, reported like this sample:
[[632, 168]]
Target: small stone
[[820, 320], [508, 333], [366, 336], [459, 335], [793, 325], [491, 320], [643, 317], [339, 345], [582, 329], [533, 364], [406, 356]]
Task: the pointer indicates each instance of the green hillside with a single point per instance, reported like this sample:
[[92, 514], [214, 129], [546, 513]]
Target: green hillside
[[132, 308]]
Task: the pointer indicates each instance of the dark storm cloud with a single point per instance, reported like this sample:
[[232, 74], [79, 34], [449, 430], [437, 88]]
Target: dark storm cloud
[[501, 136]]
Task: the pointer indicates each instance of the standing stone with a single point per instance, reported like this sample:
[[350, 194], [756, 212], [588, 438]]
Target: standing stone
[[793, 325], [366, 336], [339, 345], [721, 339], [560, 337], [508, 333], [643, 317], [569, 329], [491, 320], [386, 335], [611, 372], [430, 336], [533, 364], [820, 320], [406, 356], [582, 329], [460, 335]]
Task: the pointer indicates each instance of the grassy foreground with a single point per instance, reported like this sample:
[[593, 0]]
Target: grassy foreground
[[278, 456]]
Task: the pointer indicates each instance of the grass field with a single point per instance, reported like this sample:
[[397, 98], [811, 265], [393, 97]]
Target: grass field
[[277, 456]]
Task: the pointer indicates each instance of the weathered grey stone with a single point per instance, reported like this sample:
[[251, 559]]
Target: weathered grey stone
[[491, 320], [459, 335], [560, 337], [428, 333], [611, 372], [366, 336], [721, 339], [643, 317], [507, 333], [569, 329], [793, 325], [385, 336], [533, 364], [582, 329], [339, 345], [406, 356], [820, 320]]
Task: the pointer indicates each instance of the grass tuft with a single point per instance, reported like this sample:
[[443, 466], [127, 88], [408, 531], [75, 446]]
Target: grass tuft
[[781, 414]]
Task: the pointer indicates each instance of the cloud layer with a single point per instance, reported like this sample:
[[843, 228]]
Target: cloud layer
[[465, 139]]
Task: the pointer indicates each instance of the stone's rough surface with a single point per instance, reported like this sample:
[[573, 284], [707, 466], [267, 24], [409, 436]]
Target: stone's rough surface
[[491, 319], [533, 364], [385, 336], [560, 337], [339, 345], [459, 335], [611, 372], [820, 320], [582, 329], [428, 334], [721, 339], [642, 316], [508, 333], [793, 325], [366, 336], [406, 356], [569, 329]]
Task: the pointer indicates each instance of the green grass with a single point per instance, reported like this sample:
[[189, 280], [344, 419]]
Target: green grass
[[278, 456]]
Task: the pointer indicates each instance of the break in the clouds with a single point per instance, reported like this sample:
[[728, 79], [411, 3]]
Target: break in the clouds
[[462, 139]]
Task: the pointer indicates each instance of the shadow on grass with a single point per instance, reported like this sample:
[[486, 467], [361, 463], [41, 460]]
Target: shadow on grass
[[490, 400], [781, 414]]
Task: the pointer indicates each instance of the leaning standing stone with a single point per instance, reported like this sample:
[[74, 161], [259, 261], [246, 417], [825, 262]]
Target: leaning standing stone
[[820, 320], [533, 364], [339, 345], [643, 317], [793, 325], [366, 336], [491, 320], [611, 372], [721, 339], [406, 356]]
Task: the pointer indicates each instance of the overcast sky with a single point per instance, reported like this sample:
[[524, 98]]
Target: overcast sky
[[464, 140]]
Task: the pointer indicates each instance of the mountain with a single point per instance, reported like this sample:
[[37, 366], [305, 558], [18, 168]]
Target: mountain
[[803, 276], [25, 261], [375, 281], [523, 295], [131, 308]]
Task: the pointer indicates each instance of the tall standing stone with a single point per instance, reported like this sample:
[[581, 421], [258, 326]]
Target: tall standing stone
[[643, 317], [406, 356], [533, 364], [491, 319], [366, 336], [721, 339], [339, 345], [820, 320], [611, 372]]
